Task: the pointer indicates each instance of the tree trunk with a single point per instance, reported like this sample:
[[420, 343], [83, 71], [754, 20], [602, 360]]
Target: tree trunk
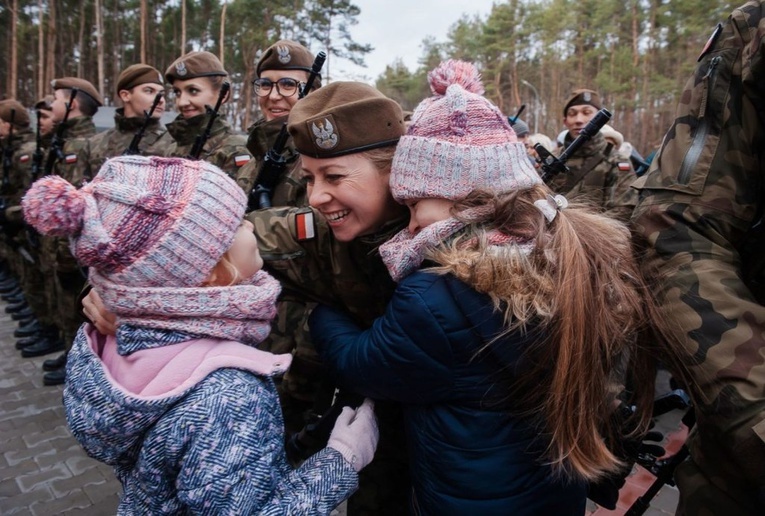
[[50, 58], [40, 53], [144, 21], [183, 27], [14, 64], [221, 45], [81, 61], [99, 46]]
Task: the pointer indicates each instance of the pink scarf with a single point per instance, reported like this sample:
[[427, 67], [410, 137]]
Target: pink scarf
[[241, 312]]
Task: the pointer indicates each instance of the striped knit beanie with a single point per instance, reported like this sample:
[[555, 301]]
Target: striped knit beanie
[[143, 221], [458, 142]]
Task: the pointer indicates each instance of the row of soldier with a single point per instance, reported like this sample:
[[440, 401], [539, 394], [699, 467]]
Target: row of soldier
[[50, 320]]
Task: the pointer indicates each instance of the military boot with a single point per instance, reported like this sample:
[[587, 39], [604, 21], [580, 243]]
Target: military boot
[[57, 377], [15, 307], [25, 314], [44, 346], [31, 328], [55, 363]]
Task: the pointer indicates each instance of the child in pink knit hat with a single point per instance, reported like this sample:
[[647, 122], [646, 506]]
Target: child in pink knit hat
[[510, 316], [179, 402]]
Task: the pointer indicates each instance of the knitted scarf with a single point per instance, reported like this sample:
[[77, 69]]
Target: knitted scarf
[[240, 312], [404, 253]]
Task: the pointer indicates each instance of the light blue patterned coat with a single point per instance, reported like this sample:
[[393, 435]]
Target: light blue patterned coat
[[214, 448]]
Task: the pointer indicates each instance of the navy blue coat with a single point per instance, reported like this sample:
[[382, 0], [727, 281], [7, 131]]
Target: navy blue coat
[[468, 454]]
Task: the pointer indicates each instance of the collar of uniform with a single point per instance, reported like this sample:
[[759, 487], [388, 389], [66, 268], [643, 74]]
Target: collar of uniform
[[79, 126], [262, 136], [132, 124], [185, 130], [595, 145], [387, 231]]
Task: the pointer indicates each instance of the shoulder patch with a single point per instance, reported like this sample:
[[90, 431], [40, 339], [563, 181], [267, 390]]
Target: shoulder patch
[[623, 166], [24, 158], [70, 158], [711, 41], [241, 159], [305, 226]]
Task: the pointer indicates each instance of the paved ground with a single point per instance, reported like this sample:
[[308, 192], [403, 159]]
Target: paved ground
[[44, 472]]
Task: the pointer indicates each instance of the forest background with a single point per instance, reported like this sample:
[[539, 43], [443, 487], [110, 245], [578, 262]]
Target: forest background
[[637, 54]]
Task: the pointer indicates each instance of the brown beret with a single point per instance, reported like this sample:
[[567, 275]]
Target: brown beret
[[344, 118], [137, 74], [81, 84], [45, 103], [193, 65], [582, 97], [285, 55], [20, 117]]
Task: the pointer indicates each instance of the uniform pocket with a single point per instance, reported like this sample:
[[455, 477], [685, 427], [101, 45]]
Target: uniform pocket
[[691, 144]]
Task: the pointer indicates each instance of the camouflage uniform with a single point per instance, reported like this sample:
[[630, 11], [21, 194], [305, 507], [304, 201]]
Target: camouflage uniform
[[224, 149], [350, 275], [12, 190], [116, 140], [599, 177], [68, 277], [289, 334], [701, 207], [34, 272]]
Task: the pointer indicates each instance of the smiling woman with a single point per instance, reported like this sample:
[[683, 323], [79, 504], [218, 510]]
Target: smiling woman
[[196, 79]]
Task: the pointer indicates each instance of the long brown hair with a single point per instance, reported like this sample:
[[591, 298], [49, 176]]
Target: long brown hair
[[582, 286]]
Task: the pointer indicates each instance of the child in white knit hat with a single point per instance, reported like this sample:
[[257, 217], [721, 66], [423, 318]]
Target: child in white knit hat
[[180, 402], [510, 316]]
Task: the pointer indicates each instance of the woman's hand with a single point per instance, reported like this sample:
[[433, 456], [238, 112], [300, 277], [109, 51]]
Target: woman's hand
[[94, 309]]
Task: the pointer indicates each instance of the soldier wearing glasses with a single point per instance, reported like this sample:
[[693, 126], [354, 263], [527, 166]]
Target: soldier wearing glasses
[[283, 68]]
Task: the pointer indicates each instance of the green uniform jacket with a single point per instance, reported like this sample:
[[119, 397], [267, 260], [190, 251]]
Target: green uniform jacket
[[224, 149], [76, 134], [598, 177], [13, 190], [289, 190], [700, 209], [113, 142]]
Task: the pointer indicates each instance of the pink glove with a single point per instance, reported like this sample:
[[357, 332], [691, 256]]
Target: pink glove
[[355, 434]]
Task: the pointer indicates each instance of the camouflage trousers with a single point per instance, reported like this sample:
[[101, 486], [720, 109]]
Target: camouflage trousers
[[68, 286], [37, 284], [701, 496]]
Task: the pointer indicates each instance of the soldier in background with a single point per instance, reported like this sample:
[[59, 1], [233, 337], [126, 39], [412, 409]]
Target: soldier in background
[[197, 79], [15, 134], [701, 212], [597, 175], [68, 278], [281, 71], [137, 86]]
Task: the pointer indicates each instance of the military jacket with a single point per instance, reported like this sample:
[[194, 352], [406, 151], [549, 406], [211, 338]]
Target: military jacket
[[12, 184], [19, 174], [76, 134], [289, 190], [599, 177], [113, 142], [224, 149], [350, 275], [700, 211]]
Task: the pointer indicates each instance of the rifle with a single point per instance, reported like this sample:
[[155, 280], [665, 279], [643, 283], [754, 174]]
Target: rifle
[[56, 151], [132, 149], [274, 164], [518, 114], [199, 143], [37, 157], [552, 165]]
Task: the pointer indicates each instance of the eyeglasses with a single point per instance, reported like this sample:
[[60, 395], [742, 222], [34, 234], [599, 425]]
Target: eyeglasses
[[285, 87]]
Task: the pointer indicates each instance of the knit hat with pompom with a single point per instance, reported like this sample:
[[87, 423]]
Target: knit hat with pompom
[[143, 221], [458, 142]]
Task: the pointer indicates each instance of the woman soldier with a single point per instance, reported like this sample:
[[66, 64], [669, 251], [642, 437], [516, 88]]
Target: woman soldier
[[196, 79]]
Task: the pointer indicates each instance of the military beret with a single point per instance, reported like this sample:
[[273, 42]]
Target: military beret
[[20, 117], [45, 103], [285, 55], [193, 65], [344, 118], [582, 97], [137, 74], [68, 83]]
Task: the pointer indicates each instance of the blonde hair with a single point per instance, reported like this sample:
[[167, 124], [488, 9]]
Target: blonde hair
[[581, 286], [224, 274]]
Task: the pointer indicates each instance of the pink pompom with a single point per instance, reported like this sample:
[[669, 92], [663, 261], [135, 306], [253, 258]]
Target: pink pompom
[[54, 207], [455, 72]]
